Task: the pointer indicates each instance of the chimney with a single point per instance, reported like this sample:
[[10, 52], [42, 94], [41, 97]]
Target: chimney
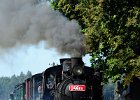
[[76, 61]]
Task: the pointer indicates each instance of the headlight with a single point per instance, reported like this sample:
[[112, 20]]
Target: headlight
[[77, 70]]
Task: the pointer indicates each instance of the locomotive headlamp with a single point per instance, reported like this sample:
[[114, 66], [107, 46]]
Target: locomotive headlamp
[[77, 70]]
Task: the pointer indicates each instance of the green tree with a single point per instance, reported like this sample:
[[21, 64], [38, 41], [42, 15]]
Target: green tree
[[21, 77], [7, 84], [28, 75], [112, 31]]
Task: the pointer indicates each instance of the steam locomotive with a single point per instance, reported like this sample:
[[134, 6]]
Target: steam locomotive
[[70, 80]]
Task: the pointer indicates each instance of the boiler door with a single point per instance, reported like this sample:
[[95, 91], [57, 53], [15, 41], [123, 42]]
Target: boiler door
[[72, 89]]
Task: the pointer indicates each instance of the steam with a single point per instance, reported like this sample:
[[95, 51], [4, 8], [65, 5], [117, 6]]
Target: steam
[[25, 22]]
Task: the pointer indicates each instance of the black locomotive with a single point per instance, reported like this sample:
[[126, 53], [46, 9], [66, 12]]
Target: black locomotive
[[70, 80]]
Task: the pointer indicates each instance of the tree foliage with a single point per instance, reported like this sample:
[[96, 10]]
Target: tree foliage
[[7, 84], [112, 31]]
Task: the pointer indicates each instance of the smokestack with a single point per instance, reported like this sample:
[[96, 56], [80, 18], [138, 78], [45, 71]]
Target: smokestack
[[76, 61]]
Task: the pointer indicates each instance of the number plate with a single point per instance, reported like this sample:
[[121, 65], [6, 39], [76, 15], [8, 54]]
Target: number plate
[[77, 88]]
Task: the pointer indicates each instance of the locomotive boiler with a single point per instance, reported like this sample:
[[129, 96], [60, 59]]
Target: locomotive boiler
[[71, 80]]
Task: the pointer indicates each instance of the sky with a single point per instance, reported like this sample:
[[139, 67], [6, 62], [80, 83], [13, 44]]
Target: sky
[[33, 35], [34, 58]]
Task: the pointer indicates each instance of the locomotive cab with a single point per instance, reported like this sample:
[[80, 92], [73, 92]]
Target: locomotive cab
[[51, 76]]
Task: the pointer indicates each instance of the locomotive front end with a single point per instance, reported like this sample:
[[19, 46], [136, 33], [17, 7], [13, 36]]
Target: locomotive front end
[[71, 80], [74, 85]]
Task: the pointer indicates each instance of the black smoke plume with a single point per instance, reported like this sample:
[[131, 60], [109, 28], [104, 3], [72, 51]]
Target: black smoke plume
[[24, 22]]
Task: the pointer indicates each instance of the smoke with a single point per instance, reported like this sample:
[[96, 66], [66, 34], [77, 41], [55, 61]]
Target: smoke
[[25, 22]]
